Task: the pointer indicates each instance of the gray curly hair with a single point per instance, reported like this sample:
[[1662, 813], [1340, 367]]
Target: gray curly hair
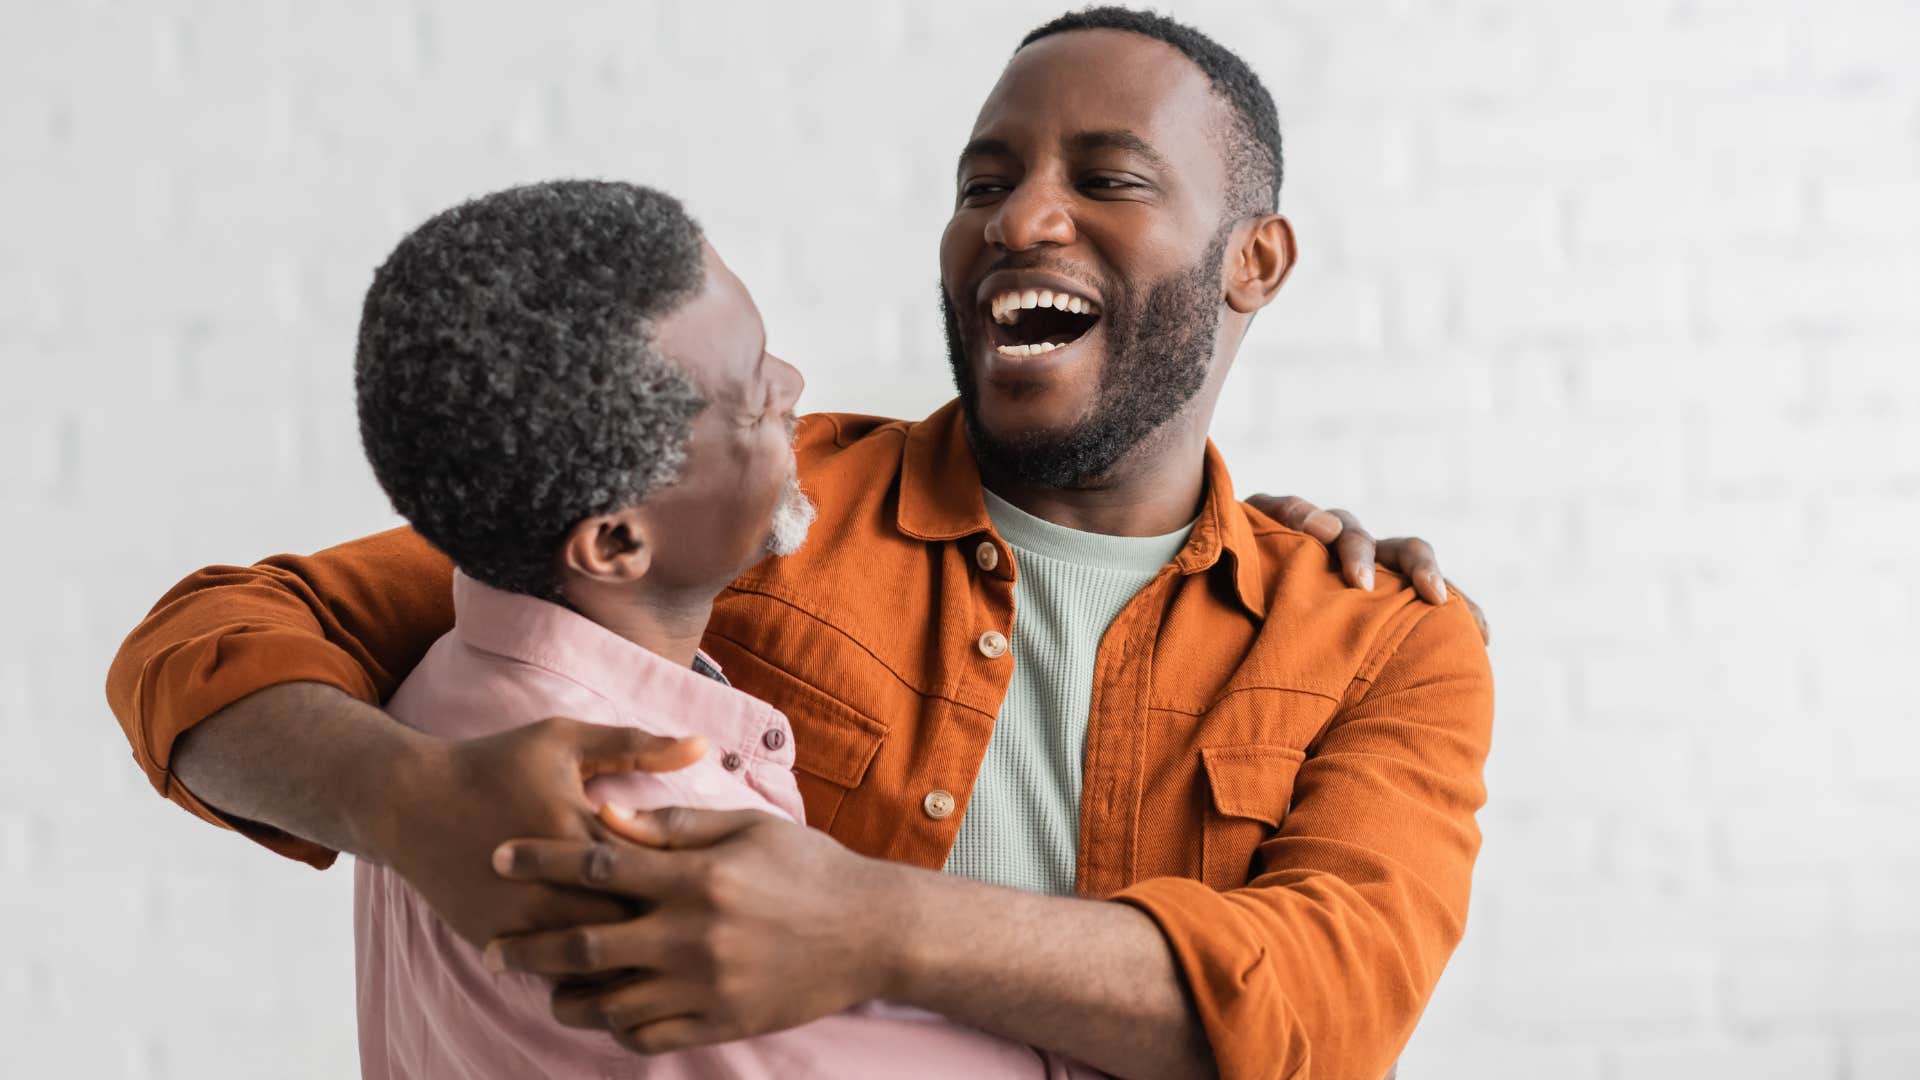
[[508, 385]]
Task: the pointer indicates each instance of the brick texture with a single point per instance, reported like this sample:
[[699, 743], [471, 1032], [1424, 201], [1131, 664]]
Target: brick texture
[[1617, 302]]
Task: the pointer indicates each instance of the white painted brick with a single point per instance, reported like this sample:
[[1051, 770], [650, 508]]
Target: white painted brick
[[1613, 301], [1767, 295], [1833, 605], [1629, 301], [1863, 677], [1793, 983], [31, 453], [1869, 207], [1679, 209], [1784, 835], [1870, 374], [1757, 452], [1861, 42], [1669, 375], [1483, 59], [1534, 849], [1657, 846], [1633, 461], [1495, 1058], [1465, 225], [1879, 748], [1568, 989], [1870, 529], [1751, 50], [1756, 912], [1884, 1056], [1582, 769], [1832, 129], [1333, 152], [1881, 908], [1309, 389], [1786, 1058], [1324, 311], [1753, 534], [1576, 136]]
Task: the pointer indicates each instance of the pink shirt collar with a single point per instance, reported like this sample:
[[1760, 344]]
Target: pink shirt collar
[[645, 688]]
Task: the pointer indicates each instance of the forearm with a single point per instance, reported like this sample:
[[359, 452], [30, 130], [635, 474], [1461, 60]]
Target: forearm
[[305, 758], [1086, 978]]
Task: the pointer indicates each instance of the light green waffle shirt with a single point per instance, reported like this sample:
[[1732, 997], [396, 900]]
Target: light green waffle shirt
[[1022, 823]]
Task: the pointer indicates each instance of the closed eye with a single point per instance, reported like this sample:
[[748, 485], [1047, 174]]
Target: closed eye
[[981, 189]]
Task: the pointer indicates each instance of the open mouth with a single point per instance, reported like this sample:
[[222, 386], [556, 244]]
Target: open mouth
[[1033, 322]]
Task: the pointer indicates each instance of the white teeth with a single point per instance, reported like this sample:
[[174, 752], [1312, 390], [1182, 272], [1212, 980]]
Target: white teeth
[[1036, 349], [1006, 307]]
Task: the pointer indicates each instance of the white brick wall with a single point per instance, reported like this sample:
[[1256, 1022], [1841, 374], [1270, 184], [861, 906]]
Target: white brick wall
[[1618, 301]]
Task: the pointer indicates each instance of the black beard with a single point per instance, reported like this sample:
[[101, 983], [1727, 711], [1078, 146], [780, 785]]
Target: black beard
[[1159, 349]]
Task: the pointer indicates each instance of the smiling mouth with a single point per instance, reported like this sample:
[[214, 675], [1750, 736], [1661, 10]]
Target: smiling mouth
[[1033, 322]]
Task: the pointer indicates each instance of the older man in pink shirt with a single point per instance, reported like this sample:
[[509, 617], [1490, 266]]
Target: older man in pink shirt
[[428, 1004], [565, 389]]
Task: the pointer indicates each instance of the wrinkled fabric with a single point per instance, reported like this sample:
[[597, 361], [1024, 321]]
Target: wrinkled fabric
[[429, 1007]]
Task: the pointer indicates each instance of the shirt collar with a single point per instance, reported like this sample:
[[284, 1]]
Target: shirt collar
[[940, 500], [638, 682]]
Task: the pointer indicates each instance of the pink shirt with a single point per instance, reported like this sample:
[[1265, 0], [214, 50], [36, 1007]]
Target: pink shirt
[[430, 1008]]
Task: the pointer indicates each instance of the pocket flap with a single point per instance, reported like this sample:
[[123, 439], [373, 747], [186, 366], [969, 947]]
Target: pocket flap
[[1253, 782], [830, 740]]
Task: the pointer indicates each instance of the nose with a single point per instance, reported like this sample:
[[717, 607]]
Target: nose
[[787, 382], [1032, 214]]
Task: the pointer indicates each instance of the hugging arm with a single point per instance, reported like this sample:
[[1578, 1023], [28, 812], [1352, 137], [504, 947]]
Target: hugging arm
[[348, 622], [1325, 958], [249, 697]]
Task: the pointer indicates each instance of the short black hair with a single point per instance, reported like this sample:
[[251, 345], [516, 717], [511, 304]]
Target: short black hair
[[1253, 143], [507, 382]]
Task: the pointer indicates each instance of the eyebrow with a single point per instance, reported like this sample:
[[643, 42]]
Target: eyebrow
[[1116, 139], [1084, 142], [983, 147]]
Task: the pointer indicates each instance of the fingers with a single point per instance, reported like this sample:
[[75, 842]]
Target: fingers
[[1413, 559], [579, 950], [646, 998], [603, 748], [618, 868], [1355, 549], [678, 826], [665, 1036], [1300, 515], [1479, 619]]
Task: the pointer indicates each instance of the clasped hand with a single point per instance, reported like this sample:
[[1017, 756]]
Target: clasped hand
[[750, 924]]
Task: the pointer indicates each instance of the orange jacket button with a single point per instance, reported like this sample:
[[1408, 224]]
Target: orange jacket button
[[986, 556], [993, 644], [938, 804]]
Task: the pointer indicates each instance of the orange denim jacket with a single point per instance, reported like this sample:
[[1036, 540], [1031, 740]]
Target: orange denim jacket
[[1281, 771]]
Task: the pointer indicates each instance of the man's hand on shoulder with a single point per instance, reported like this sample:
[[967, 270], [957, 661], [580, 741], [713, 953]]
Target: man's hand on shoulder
[[445, 805], [752, 925], [1358, 551]]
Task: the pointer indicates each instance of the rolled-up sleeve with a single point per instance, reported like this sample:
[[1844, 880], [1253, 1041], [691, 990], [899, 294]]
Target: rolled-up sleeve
[[1321, 964], [357, 617]]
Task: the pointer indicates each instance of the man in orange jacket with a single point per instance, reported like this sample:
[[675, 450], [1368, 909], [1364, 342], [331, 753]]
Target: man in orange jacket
[[1249, 809]]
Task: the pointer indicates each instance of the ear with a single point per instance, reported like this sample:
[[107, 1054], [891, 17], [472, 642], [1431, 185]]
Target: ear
[[611, 548], [1259, 264]]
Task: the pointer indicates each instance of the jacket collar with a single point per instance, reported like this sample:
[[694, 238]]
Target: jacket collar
[[940, 500]]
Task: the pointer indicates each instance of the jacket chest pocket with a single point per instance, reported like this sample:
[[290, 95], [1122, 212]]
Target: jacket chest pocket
[[834, 744], [1249, 789]]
